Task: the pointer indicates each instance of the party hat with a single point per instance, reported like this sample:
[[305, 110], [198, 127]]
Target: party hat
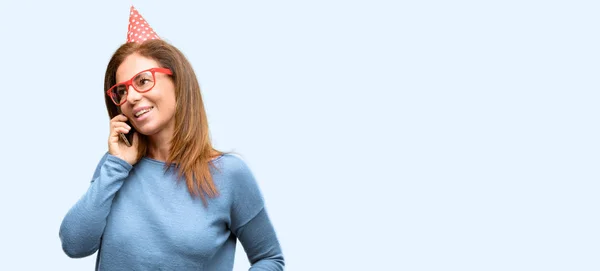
[[139, 30]]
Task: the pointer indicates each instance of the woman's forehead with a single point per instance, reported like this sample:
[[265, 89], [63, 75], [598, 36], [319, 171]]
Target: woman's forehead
[[132, 65]]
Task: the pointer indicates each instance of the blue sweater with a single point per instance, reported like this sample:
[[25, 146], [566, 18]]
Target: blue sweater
[[141, 218]]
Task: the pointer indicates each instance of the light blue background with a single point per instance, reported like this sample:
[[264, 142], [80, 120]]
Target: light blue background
[[385, 135]]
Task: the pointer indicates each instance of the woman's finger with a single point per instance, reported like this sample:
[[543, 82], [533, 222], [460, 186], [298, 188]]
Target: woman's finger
[[121, 130], [119, 118], [120, 125]]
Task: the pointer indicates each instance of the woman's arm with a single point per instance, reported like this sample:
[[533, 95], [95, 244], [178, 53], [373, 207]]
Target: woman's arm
[[251, 224], [260, 242], [83, 226]]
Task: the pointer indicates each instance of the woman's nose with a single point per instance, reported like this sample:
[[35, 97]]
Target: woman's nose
[[133, 96]]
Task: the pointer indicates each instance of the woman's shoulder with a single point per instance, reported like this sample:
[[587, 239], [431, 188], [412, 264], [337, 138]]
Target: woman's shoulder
[[231, 161], [240, 184], [234, 169]]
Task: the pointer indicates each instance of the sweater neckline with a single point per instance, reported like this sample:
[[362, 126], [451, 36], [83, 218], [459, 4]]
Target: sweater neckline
[[154, 161]]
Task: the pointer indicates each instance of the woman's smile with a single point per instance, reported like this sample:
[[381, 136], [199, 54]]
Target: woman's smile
[[141, 113]]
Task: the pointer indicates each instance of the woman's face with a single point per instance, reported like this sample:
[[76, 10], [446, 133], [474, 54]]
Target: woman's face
[[153, 111]]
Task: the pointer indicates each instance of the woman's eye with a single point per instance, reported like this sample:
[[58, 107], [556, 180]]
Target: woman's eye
[[143, 81]]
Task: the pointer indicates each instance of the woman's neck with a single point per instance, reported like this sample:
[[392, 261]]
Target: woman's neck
[[159, 144], [158, 151]]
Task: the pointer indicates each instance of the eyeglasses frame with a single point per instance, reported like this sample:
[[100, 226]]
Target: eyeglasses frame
[[129, 83]]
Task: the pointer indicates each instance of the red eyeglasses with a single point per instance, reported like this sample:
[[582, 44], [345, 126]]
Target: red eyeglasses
[[142, 82]]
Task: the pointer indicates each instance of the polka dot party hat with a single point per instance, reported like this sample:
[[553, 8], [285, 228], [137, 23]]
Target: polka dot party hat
[[139, 30]]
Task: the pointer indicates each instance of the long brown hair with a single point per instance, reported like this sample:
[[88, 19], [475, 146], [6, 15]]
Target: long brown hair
[[191, 147]]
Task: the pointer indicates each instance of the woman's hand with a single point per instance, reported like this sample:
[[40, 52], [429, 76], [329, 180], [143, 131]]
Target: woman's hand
[[116, 146]]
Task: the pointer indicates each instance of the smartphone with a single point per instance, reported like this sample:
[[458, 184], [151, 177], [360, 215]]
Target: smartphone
[[127, 138]]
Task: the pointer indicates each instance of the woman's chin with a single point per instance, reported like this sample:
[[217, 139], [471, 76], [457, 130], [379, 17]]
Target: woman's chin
[[146, 131], [151, 128]]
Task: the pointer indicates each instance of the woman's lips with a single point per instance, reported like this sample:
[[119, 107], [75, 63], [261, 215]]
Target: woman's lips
[[141, 108], [144, 113]]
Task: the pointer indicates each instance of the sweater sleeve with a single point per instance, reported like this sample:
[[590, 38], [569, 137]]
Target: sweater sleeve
[[251, 224], [260, 242], [83, 225]]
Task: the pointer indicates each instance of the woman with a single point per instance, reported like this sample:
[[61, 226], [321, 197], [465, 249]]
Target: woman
[[170, 201]]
